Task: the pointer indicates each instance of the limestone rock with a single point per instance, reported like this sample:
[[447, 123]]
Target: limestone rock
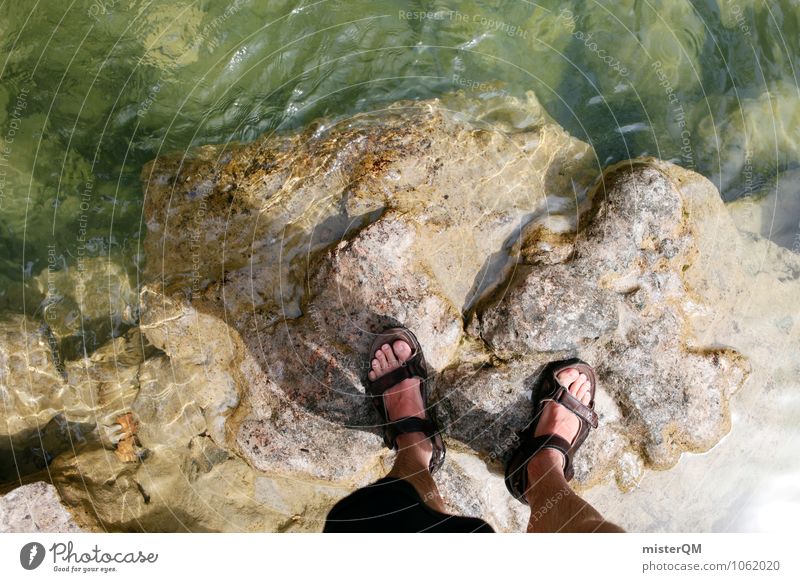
[[32, 387], [469, 488], [198, 385], [35, 508], [197, 486], [253, 221], [396, 192], [41, 415], [621, 301], [412, 233], [85, 305], [237, 403], [755, 283]]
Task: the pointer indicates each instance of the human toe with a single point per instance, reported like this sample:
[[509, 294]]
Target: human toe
[[568, 376], [586, 395], [388, 353], [402, 350], [380, 356]]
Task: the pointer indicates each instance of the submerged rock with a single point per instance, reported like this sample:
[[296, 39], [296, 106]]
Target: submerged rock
[[772, 211], [747, 139], [32, 387], [87, 304], [270, 267]]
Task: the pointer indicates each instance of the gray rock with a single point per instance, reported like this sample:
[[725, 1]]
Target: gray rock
[[621, 301], [35, 508]]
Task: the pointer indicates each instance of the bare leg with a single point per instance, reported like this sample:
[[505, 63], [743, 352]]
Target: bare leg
[[411, 465], [555, 507], [414, 450]]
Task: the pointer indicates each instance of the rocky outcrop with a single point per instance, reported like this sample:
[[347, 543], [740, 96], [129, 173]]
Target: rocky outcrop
[[621, 300], [237, 401], [749, 289]]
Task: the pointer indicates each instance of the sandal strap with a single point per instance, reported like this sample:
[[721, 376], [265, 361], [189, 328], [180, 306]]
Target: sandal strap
[[518, 479], [545, 441], [409, 424], [414, 366], [568, 401], [407, 369], [548, 388], [414, 424]]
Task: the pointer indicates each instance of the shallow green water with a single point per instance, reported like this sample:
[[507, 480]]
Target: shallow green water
[[90, 91]]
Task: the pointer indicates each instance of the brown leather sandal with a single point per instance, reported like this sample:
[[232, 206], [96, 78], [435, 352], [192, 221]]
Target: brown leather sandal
[[548, 388], [413, 366]]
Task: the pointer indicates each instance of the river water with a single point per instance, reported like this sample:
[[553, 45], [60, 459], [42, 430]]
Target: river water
[[92, 90]]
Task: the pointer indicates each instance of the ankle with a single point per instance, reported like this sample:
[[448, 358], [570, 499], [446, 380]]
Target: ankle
[[416, 447], [545, 462], [413, 458]]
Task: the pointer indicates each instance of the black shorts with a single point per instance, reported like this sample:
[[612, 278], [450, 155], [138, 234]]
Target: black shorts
[[393, 505]]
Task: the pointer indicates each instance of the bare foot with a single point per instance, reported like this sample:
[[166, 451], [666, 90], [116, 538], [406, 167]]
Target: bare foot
[[403, 399], [558, 420]]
